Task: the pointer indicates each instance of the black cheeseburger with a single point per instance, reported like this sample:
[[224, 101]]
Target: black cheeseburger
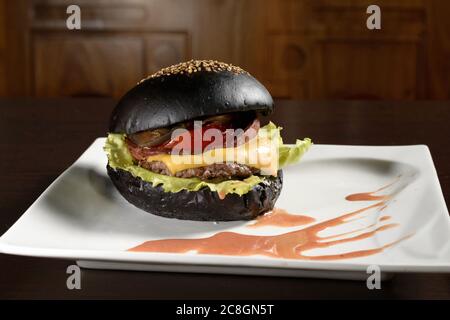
[[158, 141]]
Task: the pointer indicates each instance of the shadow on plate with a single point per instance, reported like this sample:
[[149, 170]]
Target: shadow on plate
[[86, 196]]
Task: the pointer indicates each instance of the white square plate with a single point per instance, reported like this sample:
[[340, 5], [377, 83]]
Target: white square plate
[[82, 217]]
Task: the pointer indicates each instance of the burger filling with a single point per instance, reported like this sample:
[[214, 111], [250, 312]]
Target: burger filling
[[231, 131], [189, 156]]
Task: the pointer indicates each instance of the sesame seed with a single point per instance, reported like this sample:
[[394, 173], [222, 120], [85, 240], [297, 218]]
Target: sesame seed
[[195, 66]]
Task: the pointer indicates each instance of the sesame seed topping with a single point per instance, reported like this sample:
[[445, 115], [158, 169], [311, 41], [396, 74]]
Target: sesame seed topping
[[193, 66]]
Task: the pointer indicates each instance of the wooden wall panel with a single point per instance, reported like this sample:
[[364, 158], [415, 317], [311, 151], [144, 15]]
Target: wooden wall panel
[[98, 65], [288, 68], [329, 53], [3, 52], [165, 49], [218, 29], [301, 49], [16, 62], [438, 49], [119, 44], [357, 70], [357, 63]]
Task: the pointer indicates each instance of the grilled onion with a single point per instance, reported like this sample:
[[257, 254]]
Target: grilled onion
[[223, 118], [151, 138]]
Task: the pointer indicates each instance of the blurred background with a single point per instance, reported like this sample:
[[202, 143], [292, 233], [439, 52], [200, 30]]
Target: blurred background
[[300, 49]]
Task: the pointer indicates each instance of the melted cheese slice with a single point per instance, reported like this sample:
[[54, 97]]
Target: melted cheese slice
[[259, 152]]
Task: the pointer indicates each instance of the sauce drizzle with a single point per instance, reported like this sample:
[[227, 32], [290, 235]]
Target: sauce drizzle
[[290, 245], [281, 218], [371, 196]]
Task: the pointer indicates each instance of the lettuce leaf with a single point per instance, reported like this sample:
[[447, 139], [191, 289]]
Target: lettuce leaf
[[292, 153], [120, 157], [289, 153]]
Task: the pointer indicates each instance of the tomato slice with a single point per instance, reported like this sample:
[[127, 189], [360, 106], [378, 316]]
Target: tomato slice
[[194, 141]]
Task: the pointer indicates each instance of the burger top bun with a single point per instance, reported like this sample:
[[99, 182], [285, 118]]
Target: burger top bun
[[187, 91]]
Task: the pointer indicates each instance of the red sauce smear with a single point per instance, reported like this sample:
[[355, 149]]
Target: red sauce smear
[[371, 196], [281, 218], [289, 245], [221, 195]]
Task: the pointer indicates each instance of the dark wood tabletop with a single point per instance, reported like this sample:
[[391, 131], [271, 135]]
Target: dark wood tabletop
[[40, 138]]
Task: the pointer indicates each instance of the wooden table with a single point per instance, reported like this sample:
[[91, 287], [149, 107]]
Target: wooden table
[[41, 138]]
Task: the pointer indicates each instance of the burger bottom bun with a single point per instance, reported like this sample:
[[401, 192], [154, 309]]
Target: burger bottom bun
[[201, 205]]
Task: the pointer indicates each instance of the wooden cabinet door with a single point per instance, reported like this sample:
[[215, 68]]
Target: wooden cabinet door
[[322, 49], [98, 65]]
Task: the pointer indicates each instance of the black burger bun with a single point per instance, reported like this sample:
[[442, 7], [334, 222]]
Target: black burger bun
[[189, 90], [201, 205]]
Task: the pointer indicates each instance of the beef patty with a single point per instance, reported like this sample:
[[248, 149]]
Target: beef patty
[[229, 170]]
